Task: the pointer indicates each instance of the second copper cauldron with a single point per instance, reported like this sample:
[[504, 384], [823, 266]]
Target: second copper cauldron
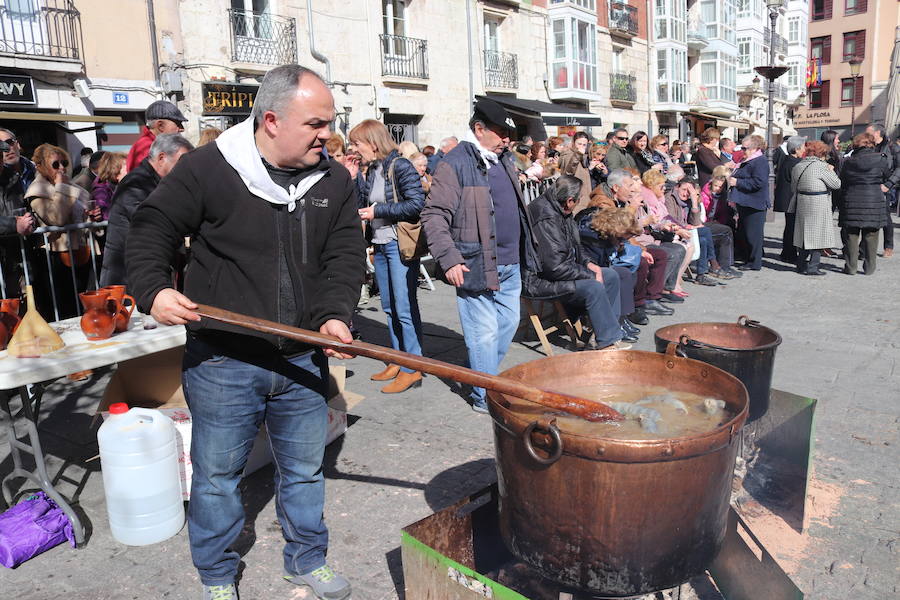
[[745, 349], [614, 517]]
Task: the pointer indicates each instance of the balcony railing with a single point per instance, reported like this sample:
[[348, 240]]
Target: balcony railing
[[623, 18], [404, 57], [41, 29], [781, 44], [501, 69], [622, 87], [262, 38]]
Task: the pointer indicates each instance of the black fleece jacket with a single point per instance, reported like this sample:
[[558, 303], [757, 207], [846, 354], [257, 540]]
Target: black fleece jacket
[[235, 244]]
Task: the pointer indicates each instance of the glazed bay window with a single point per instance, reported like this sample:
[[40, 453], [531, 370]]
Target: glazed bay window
[[671, 76], [719, 18], [717, 73], [796, 30], [793, 75], [743, 62], [669, 19], [590, 5], [574, 54]]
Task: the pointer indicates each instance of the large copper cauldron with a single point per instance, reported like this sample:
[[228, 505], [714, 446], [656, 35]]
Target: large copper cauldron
[[614, 517], [745, 349]]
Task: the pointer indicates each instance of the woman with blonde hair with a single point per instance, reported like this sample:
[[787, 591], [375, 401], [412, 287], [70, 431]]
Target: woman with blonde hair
[[110, 171], [659, 152], [407, 149], [391, 192], [420, 161], [207, 135], [750, 194], [56, 201]]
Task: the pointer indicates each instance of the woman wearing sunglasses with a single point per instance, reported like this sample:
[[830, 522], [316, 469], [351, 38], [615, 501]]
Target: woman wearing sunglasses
[[56, 201]]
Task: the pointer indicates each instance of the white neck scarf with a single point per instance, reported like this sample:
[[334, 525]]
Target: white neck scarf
[[489, 158]]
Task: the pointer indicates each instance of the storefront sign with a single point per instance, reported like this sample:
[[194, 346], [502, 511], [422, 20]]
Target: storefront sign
[[816, 118], [16, 89], [228, 98]]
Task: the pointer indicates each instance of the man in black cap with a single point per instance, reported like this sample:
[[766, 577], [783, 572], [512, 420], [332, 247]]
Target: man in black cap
[[162, 117], [478, 231]]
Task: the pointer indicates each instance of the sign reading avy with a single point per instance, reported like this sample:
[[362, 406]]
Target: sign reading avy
[[16, 89], [228, 98]]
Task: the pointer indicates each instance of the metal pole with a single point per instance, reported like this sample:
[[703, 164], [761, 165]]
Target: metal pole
[[853, 110], [773, 16]]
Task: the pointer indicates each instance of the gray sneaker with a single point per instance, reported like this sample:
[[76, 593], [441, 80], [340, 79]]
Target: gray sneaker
[[324, 583], [219, 592]]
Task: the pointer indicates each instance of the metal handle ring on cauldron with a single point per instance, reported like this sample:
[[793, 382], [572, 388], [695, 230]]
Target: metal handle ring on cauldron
[[553, 430], [674, 349], [745, 321]]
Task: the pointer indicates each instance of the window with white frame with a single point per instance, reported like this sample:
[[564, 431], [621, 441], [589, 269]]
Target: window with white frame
[[393, 16], [794, 29], [492, 33], [670, 19], [718, 74], [793, 75], [743, 8], [590, 5], [671, 75], [618, 62], [574, 54], [744, 45], [719, 18]]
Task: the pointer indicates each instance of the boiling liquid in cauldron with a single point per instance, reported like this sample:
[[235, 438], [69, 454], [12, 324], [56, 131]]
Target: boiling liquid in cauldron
[[652, 412]]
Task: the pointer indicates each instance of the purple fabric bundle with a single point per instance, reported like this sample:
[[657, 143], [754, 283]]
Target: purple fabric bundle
[[34, 525]]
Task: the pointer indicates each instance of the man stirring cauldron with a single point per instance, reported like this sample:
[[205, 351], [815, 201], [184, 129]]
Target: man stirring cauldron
[[275, 235]]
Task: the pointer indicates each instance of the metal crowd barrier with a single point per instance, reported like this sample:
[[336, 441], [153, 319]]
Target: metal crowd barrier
[[532, 189], [45, 232]]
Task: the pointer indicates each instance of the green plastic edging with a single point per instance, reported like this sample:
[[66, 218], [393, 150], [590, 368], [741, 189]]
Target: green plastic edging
[[501, 592]]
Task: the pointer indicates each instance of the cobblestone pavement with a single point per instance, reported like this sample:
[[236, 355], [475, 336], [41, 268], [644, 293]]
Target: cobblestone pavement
[[408, 455]]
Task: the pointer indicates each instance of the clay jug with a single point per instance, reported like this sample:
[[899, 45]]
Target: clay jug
[[9, 318], [99, 319], [117, 292]]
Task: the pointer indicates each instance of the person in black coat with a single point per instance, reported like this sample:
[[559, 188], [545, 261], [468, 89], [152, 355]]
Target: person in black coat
[[863, 210], [565, 273], [750, 193], [795, 145], [889, 185], [134, 188]]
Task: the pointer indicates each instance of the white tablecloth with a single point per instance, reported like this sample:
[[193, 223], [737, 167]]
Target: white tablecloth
[[80, 355]]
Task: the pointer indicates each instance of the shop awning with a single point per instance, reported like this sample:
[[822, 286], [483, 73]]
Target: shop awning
[[58, 117], [548, 112], [720, 122]]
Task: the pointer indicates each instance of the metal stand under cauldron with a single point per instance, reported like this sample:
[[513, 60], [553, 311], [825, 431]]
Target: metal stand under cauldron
[[458, 554]]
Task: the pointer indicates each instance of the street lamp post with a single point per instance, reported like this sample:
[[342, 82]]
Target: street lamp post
[[771, 73], [854, 73]]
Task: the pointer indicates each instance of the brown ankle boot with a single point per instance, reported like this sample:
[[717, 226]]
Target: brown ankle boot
[[403, 382], [389, 373]]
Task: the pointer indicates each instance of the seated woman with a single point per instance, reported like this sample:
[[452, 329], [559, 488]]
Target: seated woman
[[673, 240]]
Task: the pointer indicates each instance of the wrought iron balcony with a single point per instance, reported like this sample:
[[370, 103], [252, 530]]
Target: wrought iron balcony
[[404, 57], [781, 45], [623, 18], [501, 69], [779, 90], [622, 88], [262, 38], [41, 29]]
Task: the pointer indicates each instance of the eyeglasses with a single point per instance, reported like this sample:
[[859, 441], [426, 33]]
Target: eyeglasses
[[664, 143], [624, 139], [57, 163]]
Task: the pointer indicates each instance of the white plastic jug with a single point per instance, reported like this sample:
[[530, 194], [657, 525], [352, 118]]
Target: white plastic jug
[[140, 475]]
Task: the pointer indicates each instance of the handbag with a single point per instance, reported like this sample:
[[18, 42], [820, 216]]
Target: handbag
[[629, 257], [410, 236]]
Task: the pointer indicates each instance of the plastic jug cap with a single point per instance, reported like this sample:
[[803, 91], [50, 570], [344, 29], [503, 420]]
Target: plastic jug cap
[[118, 408]]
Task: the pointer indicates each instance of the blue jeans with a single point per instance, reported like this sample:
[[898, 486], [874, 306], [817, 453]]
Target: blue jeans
[[602, 303], [398, 282], [489, 321], [707, 250], [229, 400]]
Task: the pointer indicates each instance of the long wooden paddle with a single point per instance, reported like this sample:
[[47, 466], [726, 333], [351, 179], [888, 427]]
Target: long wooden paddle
[[586, 409]]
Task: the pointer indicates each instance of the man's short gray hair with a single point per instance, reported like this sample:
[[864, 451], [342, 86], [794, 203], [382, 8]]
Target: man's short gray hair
[[277, 89], [447, 141], [169, 144], [794, 143], [617, 177], [567, 186]]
